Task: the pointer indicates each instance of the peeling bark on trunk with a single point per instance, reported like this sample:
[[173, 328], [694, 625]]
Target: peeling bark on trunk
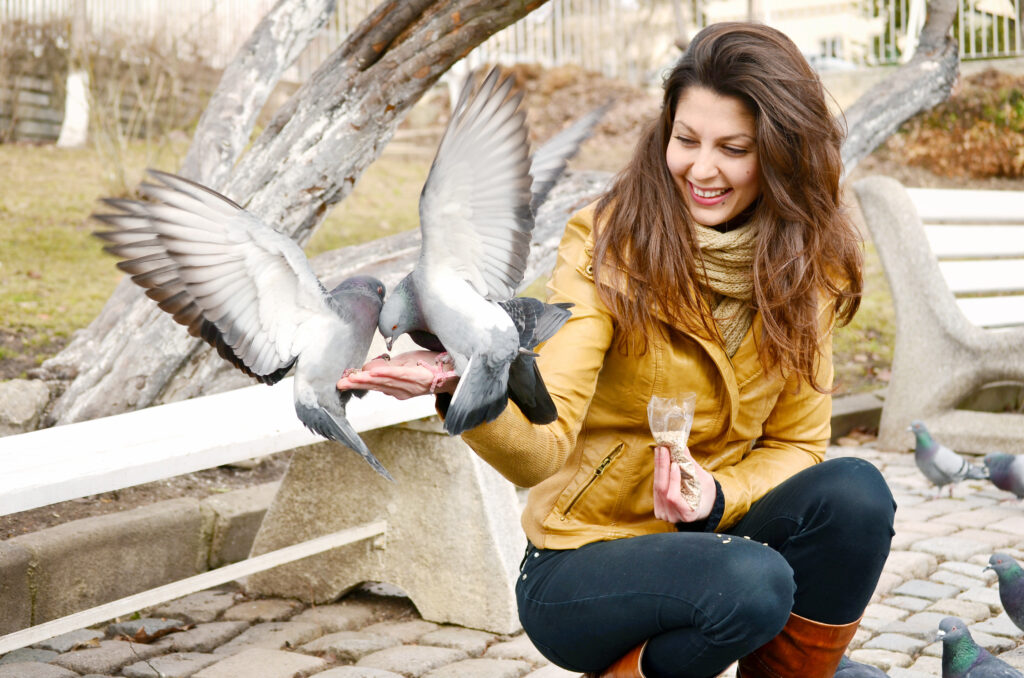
[[920, 84]]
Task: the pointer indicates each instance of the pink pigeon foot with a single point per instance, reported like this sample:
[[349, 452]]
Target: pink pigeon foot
[[441, 370]]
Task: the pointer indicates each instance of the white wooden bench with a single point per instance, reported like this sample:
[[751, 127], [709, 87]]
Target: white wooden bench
[[954, 260], [448, 523]]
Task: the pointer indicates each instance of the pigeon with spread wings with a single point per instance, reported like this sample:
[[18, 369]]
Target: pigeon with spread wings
[[249, 291], [477, 218]]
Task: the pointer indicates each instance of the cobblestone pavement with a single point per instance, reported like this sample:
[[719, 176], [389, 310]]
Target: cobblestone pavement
[[936, 569]]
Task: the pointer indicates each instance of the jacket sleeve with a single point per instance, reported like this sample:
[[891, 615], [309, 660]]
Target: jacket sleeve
[[570, 363], [794, 436]]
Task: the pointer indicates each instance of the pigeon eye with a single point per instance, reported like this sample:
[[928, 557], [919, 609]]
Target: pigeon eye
[[394, 327]]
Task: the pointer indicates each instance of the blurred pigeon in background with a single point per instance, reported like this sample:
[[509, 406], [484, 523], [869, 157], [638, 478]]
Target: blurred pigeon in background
[[850, 669], [962, 658], [939, 464], [249, 291], [1006, 471], [476, 219], [1011, 586]]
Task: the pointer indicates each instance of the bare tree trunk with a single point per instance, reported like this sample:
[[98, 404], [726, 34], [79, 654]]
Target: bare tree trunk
[[74, 130], [308, 158], [918, 85]]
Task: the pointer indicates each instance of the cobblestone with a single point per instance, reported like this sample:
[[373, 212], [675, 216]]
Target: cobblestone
[[936, 568]]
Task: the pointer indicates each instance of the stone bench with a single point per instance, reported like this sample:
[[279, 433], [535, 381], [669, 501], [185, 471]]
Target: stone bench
[[446, 531], [954, 260]]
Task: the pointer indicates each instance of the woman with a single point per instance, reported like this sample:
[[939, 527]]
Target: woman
[[718, 262]]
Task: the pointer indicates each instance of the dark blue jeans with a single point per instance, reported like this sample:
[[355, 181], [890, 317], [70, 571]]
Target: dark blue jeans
[[815, 545]]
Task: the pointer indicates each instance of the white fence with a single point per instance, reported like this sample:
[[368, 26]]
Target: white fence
[[628, 39]]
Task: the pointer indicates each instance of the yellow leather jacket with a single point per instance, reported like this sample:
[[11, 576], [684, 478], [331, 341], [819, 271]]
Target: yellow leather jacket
[[591, 471]]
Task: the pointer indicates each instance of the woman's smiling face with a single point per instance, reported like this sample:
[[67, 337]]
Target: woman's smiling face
[[712, 155]]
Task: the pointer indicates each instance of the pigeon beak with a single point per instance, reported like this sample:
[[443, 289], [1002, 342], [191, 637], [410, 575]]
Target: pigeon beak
[[987, 567], [939, 634], [389, 341]]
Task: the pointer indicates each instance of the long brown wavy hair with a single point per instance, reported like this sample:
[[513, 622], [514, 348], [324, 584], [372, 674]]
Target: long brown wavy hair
[[647, 263]]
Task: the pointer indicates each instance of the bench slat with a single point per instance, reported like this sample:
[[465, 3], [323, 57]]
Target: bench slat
[[993, 312], [984, 277], [65, 462], [976, 241], [964, 205]]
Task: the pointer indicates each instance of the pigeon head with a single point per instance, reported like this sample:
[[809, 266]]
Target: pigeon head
[[399, 314], [362, 292], [1005, 566], [921, 434], [998, 463]]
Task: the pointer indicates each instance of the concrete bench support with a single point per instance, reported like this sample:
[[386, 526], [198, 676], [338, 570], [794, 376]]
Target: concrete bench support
[[453, 541], [941, 356]]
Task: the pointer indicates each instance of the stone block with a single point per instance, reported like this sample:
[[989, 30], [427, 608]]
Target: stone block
[[264, 663], [988, 596], [952, 547], [21, 403], [1013, 525], [412, 660], [895, 642], [404, 632], [203, 637], [108, 658], [883, 659], [95, 560], [970, 612], [359, 672], [177, 665], [349, 646], [922, 588], [197, 608], [353, 613], [481, 668], [910, 603], [72, 640], [27, 654], [35, 670], [519, 647], [271, 635], [1000, 625], [469, 641], [995, 540], [236, 517], [452, 525], [910, 564], [15, 592], [264, 610]]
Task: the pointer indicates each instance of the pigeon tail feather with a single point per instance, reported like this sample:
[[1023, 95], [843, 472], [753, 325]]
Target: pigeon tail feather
[[480, 397], [527, 390], [319, 421]]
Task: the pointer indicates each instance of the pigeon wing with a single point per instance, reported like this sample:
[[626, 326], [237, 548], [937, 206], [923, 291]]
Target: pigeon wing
[[475, 213], [551, 159], [950, 464], [232, 280]]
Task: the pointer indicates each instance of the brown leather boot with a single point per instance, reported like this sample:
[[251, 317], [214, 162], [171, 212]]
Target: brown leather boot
[[628, 666], [803, 649]]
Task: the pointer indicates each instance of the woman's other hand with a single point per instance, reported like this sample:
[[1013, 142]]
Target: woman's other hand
[[404, 376], [669, 504]]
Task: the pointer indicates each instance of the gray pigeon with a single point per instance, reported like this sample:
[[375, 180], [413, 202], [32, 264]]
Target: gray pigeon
[[476, 219], [1011, 586], [249, 291], [850, 669], [939, 464], [1006, 471], [962, 658]]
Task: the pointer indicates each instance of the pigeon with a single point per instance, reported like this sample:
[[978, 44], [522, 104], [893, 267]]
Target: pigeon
[[850, 669], [1011, 586], [1006, 471], [939, 464], [476, 220], [962, 658], [248, 291]]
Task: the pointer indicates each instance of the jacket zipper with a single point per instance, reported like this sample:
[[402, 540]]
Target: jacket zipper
[[597, 474]]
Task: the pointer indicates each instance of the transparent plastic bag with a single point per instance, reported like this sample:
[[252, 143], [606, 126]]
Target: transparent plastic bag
[[670, 420]]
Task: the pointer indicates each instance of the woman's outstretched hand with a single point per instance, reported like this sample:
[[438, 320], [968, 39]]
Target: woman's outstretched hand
[[669, 504], [405, 375]]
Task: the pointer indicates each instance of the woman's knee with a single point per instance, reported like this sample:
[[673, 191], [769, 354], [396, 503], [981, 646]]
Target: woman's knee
[[857, 494], [761, 595]]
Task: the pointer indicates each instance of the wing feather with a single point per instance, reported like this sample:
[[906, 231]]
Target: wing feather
[[243, 287], [475, 207]]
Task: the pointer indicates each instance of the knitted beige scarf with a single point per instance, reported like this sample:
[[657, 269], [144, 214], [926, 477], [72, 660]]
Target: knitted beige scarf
[[728, 259]]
